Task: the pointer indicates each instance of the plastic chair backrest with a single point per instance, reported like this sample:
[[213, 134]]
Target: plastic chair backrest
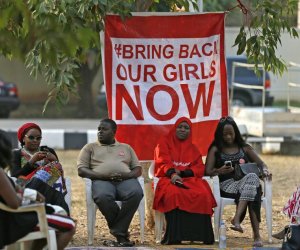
[[44, 231]]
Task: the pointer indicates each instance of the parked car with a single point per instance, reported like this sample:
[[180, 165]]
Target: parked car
[[9, 99], [244, 75]]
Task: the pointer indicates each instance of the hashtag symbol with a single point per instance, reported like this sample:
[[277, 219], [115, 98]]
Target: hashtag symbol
[[118, 49]]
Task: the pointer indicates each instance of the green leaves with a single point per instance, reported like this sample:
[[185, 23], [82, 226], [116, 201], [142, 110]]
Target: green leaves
[[261, 38], [53, 37]]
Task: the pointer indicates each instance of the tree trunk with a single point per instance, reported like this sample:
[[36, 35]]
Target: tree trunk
[[142, 6], [87, 72]]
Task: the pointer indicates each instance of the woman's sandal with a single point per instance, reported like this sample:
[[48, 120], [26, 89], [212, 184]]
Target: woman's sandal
[[237, 228]]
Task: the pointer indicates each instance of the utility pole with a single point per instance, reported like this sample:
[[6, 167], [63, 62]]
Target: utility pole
[[298, 16]]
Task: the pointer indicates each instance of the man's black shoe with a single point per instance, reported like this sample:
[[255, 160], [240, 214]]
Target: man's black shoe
[[124, 242]]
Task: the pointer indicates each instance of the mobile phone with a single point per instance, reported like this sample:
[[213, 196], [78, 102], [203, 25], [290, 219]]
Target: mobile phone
[[44, 148], [180, 184], [228, 163]]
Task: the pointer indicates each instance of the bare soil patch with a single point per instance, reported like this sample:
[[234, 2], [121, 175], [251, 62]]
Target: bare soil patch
[[286, 174]]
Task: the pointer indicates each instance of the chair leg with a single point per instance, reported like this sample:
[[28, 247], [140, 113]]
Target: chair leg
[[91, 217], [268, 208], [217, 221], [159, 222], [52, 244], [141, 211]]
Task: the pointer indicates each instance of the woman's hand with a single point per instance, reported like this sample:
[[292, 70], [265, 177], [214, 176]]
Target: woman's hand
[[175, 177], [37, 157], [267, 174], [50, 157], [224, 170]]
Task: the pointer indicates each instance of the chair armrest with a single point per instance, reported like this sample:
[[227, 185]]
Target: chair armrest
[[88, 191], [215, 185], [37, 207], [207, 178], [151, 170]]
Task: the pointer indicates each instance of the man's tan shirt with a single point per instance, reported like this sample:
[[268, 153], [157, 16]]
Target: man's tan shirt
[[108, 159]]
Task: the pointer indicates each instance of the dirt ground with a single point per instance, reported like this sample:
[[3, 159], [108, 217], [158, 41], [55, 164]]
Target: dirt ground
[[286, 174]]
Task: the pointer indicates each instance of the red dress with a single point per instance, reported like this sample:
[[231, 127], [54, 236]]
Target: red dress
[[182, 155]]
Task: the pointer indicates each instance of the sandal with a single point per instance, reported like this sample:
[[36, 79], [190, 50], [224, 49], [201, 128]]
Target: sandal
[[237, 228]]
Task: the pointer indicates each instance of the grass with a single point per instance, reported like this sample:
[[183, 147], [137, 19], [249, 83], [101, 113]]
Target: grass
[[286, 172], [283, 104]]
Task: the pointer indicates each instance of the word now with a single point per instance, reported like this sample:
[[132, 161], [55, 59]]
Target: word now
[[135, 105], [158, 51]]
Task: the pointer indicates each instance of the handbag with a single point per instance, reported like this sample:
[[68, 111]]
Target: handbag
[[240, 170], [292, 238]]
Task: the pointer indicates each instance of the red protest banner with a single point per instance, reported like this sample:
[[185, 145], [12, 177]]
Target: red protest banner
[[160, 68]]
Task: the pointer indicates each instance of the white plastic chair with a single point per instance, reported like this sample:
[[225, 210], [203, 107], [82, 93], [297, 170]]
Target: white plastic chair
[[44, 231], [266, 204], [68, 196], [159, 218], [91, 209]]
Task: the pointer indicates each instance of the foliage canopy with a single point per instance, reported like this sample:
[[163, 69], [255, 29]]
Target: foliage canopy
[[52, 37]]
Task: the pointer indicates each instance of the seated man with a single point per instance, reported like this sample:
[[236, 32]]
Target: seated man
[[113, 168]]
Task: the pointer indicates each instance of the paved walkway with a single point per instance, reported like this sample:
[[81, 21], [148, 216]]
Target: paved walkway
[[75, 133], [147, 248]]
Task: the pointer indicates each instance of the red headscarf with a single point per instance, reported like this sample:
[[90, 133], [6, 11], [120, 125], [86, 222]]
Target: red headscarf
[[170, 149], [25, 128]]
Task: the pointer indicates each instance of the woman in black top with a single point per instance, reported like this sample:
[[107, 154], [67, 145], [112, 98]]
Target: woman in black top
[[228, 145]]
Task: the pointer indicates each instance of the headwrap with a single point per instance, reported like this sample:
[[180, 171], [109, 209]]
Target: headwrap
[[181, 150], [25, 128], [170, 149]]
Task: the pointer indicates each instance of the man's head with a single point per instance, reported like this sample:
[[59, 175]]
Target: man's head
[[106, 131]]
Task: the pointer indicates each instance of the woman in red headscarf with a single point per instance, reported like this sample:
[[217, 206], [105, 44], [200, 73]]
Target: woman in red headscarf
[[181, 193], [38, 166]]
